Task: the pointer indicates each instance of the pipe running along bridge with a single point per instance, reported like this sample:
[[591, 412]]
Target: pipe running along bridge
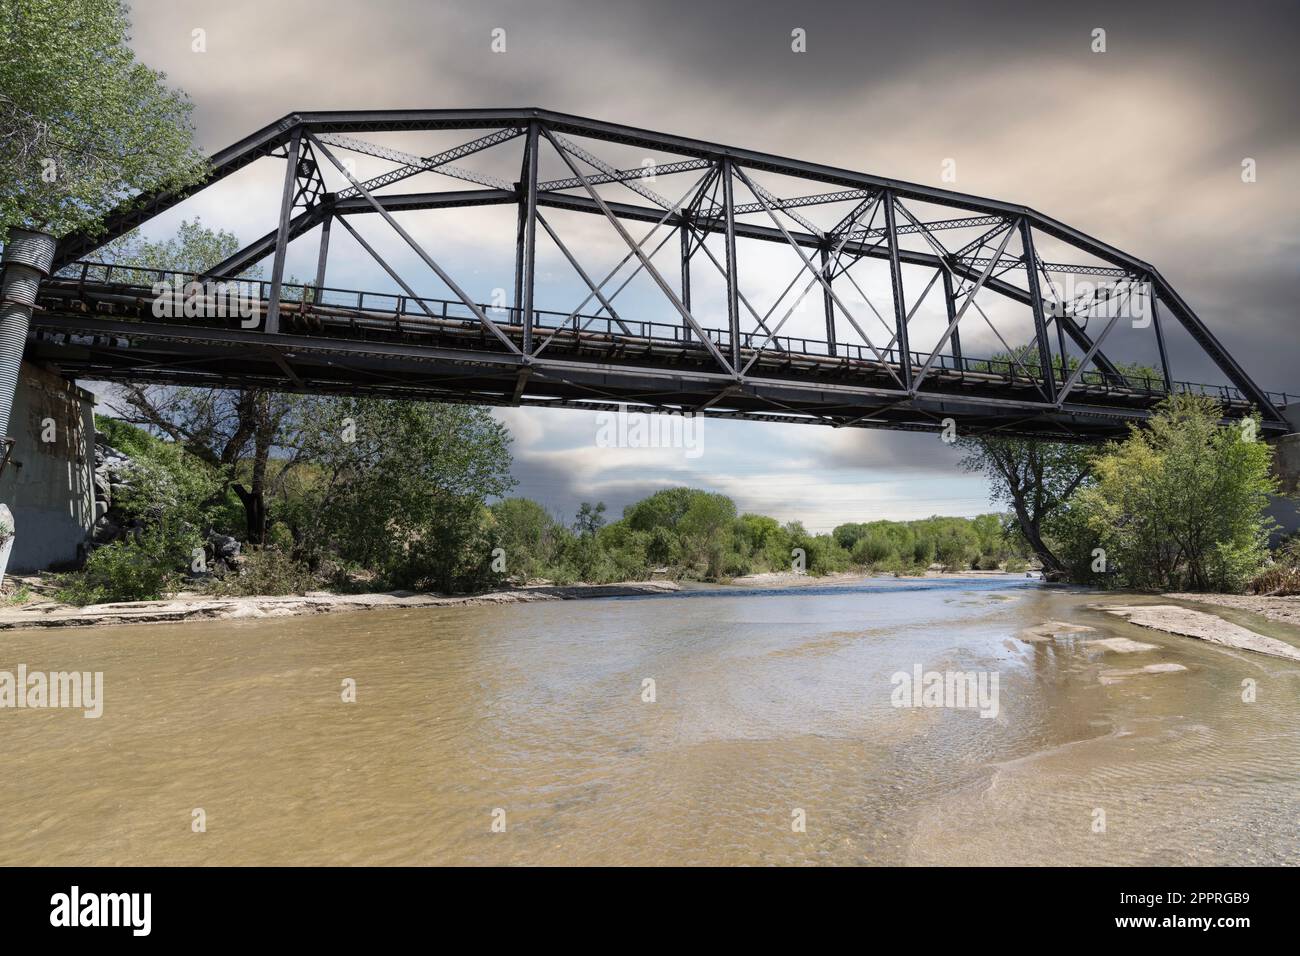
[[842, 345]]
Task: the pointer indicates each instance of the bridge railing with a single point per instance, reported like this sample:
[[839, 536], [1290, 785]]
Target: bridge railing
[[369, 310]]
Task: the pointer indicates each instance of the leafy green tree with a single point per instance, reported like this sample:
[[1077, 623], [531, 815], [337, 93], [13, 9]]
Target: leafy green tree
[[705, 530], [848, 535], [1035, 479], [955, 543], [529, 535], [590, 518], [400, 488], [194, 248], [765, 542], [1180, 503], [875, 548], [82, 125], [663, 509]]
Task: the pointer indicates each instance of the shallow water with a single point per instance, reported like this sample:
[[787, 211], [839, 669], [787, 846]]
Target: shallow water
[[767, 702]]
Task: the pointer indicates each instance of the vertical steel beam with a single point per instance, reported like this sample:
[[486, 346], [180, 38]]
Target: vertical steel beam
[[519, 256], [530, 237], [282, 231], [1036, 303], [321, 259], [1060, 337], [896, 281], [951, 309], [685, 231], [733, 287], [828, 303], [1160, 340]]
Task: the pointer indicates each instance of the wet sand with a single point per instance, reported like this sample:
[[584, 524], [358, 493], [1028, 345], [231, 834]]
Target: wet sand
[[1283, 610], [1189, 622], [200, 607]]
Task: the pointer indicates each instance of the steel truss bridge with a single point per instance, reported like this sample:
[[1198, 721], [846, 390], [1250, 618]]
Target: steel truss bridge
[[100, 321]]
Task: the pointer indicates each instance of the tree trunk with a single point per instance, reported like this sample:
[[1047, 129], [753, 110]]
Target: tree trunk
[[1053, 568], [254, 513]]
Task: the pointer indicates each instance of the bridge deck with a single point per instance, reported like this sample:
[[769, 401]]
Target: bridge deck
[[100, 322]]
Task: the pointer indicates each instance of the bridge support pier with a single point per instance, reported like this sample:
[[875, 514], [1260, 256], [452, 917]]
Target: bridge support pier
[[27, 259]]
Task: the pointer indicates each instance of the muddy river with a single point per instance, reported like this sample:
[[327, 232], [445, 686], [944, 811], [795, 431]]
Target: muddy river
[[717, 726]]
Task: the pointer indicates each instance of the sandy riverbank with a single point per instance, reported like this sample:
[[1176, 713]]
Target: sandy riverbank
[[193, 607], [1283, 610], [1188, 622]]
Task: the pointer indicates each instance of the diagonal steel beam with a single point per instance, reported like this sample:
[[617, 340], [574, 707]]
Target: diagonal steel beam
[[916, 306], [952, 325], [767, 201], [1047, 371], [871, 200], [826, 285], [1160, 340], [802, 295], [577, 267], [662, 218], [610, 174], [636, 250], [392, 273], [419, 251], [431, 163], [634, 184], [1083, 362], [248, 256]]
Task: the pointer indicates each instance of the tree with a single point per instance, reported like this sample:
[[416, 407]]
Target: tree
[[1035, 479], [529, 535], [193, 249], [1180, 503], [235, 430], [663, 509], [82, 125], [400, 488], [590, 518], [705, 530]]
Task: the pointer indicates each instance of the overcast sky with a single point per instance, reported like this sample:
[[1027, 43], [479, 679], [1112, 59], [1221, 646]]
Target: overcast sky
[[1140, 146]]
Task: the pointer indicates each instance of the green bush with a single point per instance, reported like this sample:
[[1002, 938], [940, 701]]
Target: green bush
[[266, 570], [1179, 504], [138, 568]]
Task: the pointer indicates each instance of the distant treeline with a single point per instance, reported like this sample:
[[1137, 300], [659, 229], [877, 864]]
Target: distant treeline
[[697, 535]]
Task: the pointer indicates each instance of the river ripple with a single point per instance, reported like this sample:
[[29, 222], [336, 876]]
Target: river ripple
[[766, 702]]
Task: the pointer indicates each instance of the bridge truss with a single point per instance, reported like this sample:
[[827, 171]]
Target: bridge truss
[[862, 368]]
